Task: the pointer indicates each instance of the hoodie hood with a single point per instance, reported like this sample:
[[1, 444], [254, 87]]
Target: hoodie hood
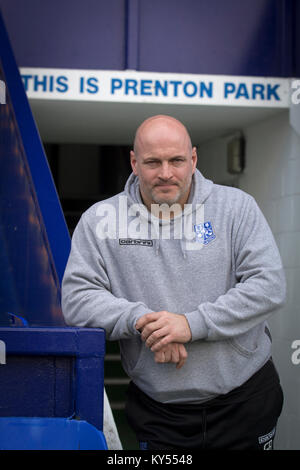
[[182, 224]]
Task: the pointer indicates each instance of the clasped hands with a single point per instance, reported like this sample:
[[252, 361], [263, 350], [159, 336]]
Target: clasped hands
[[164, 333]]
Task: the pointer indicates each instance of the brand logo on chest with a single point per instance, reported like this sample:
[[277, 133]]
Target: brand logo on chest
[[135, 241]]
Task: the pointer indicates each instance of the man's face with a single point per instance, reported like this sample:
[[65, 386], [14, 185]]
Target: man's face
[[164, 163]]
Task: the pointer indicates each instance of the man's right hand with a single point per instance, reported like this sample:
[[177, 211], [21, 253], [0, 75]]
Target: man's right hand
[[173, 352]]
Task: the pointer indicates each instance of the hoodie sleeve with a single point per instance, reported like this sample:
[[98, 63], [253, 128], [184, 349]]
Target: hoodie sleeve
[[260, 288], [86, 297]]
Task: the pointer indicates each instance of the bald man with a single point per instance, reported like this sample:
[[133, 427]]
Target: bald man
[[184, 273]]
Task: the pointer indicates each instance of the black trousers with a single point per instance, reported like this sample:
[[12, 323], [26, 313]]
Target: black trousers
[[243, 419]]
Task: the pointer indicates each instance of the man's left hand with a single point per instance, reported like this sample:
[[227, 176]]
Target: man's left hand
[[161, 328]]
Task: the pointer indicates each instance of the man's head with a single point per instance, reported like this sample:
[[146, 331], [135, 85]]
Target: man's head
[[164, 161]]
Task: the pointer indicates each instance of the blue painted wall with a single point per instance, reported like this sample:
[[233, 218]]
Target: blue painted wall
[[66, 33], [249, 37], [219, 37]]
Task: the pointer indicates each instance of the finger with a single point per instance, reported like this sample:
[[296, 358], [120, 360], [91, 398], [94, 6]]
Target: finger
[[159, 357], [147, 318], [162, 343], [156, 335], [180, 364], [175, 354], [182, 356], [168, 355], [182, 351], [151, 328]]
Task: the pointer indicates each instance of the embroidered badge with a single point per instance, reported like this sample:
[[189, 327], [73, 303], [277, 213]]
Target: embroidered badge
[[204, 233]]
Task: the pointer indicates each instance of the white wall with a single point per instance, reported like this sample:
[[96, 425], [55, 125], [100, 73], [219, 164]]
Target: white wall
[[272, 176]]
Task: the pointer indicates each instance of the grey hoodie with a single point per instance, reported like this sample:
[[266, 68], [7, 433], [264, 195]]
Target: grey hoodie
[[224, 273]]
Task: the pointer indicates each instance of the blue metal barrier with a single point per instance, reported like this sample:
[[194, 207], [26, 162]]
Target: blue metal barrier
[[53, 372], [49, 434], [34, 238], [52, 377]]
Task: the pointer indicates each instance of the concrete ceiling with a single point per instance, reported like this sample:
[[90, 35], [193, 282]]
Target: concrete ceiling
[[115, 123]]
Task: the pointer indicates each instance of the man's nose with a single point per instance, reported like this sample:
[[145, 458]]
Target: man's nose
[[165, 171]]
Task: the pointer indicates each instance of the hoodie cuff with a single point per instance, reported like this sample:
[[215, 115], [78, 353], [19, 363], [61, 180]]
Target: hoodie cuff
[[197, 325], [138, 313]]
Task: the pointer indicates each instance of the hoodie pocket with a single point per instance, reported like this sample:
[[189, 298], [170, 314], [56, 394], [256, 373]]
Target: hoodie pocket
[[241, 349], [140, 362], [247, 344]]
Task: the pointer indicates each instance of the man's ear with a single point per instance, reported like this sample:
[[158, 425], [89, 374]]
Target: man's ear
[[194, 158], [133, 162]]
